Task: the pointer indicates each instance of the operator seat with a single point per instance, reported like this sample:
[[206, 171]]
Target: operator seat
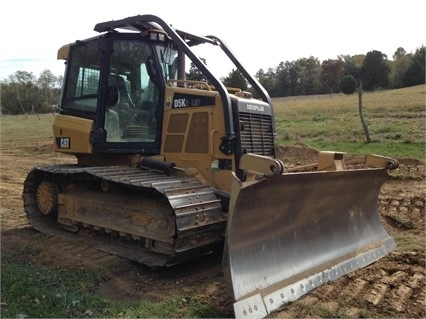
[[125, 99]]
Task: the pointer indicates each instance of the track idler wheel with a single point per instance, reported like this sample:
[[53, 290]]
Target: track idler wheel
[[47, 197]]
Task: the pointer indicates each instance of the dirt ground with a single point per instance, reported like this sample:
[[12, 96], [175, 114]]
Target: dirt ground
[[391, 287]]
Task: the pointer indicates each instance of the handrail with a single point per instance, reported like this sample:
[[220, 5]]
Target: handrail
[[193, 83]]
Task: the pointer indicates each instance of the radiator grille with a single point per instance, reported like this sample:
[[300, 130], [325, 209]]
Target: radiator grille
[[256, 133]]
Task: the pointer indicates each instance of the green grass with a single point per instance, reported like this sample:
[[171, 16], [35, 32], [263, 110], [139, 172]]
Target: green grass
[[31, 291], [396, 119], [409, 242], [319, 311], [26, 129]]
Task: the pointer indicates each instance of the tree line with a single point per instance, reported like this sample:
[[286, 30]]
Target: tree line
[[23, 92], [307, 76]]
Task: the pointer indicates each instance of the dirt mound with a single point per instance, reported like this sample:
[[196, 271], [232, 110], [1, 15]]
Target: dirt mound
[[296, 154]]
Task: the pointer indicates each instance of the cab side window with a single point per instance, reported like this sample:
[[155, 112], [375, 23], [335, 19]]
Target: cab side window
[[81, 92]]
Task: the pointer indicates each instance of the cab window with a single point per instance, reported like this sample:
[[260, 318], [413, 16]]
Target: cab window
[[132, 97], [81, 92]]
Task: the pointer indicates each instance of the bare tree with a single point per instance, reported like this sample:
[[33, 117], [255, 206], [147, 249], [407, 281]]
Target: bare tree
[[361, 113], [348, 85]]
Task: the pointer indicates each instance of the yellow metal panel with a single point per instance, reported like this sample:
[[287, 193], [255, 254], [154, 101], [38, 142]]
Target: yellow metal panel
[[72, 134], [192, 136], [173, 143], [331, 161], [198, 134], [63, 52], [177, 123]]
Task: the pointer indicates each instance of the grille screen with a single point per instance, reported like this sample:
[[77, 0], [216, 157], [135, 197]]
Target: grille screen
[[256, 133]]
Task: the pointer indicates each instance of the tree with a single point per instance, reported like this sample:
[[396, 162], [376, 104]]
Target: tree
[[46, 82], [195, 74], [22, 92], [375, 71], [400, 65], [288, 78], [268, 81], [352, 64], [415, 74], [331, 72], [235, 79], [309, 71], [348, 85]]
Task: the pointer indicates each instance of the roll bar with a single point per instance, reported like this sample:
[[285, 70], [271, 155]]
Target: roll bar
[[184, 41]]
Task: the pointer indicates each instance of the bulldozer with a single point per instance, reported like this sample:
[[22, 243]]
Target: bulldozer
[[169, 169]]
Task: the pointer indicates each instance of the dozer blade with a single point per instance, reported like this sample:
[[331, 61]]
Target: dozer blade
[[294, 232]]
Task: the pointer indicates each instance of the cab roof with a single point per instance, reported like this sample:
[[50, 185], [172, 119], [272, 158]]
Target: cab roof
[[143, 23]]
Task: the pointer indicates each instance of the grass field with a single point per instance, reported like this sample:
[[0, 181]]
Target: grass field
[[396, 119]]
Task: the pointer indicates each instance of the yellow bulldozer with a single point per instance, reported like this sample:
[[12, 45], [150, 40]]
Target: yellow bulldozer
[[168, 169]]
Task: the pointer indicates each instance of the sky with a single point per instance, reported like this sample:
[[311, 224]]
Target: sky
[[260, 33]]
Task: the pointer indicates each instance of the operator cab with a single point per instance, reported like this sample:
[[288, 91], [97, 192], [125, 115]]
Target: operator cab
[[117, 81]]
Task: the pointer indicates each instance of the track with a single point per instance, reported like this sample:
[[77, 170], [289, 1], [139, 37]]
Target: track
[[139, 214]]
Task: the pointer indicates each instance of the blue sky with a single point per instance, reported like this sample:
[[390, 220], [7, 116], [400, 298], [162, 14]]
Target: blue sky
[[261, 34]]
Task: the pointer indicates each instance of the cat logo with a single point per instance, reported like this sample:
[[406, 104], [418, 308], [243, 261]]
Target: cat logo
[[64, 142]]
